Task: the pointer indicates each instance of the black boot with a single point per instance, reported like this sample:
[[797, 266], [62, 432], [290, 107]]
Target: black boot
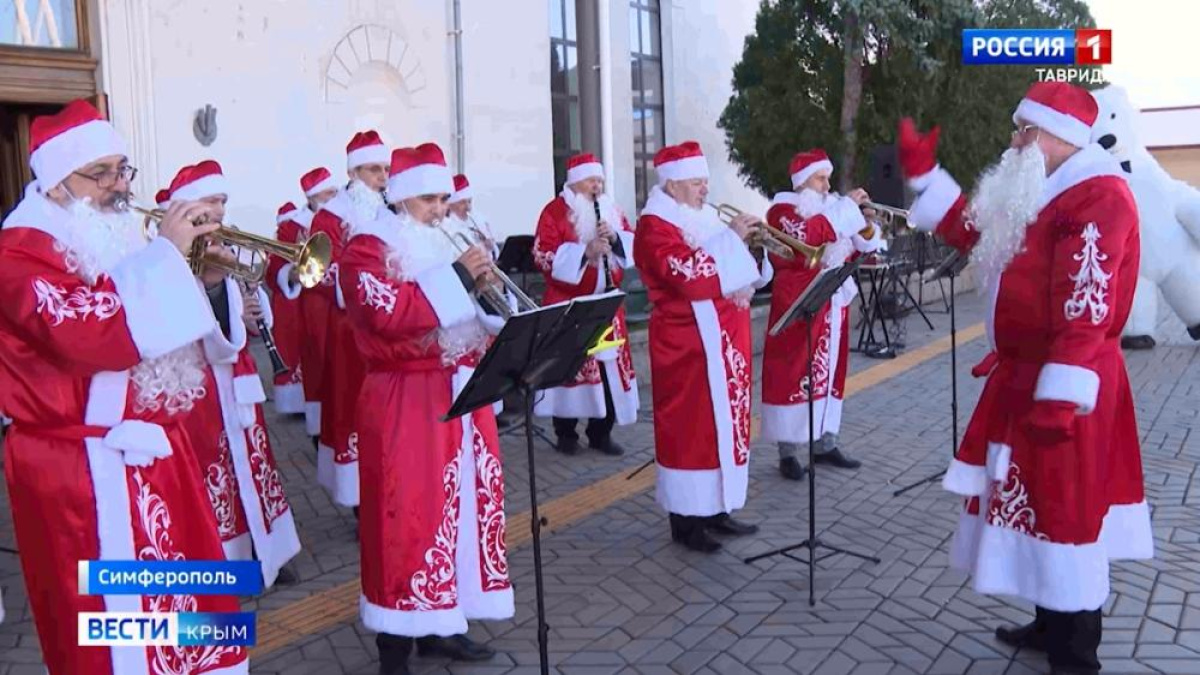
[[1072, 641], [455, 647], [679, 528], [608, 446], [355, 513], [393, 654], [690, 531], [1137, 342], [835, 458], [1194, 332], [723, 523], [286, 577], [791, 469], [1031, 636]]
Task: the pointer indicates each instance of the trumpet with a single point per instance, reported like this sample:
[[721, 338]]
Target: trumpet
[[889, 214], [491, 294], [774, 240], [311, 258]]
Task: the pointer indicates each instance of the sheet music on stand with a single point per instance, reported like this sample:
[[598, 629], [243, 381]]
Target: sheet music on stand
[[822, 288]]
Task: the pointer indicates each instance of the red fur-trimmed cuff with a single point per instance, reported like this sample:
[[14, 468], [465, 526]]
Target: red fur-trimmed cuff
[[1073, 384], [939, 193]]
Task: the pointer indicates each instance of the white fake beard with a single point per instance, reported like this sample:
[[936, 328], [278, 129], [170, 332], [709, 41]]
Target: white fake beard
[[700, 225], [1006, 201], [95, 241], [583, 213], [811, 202], [365, 200], [418, 248]]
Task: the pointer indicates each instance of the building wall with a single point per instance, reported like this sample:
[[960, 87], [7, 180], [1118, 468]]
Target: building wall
[[293, 80], [1181, 163]]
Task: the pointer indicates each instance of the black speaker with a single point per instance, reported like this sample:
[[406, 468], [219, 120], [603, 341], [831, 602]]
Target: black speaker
[[886, 181]]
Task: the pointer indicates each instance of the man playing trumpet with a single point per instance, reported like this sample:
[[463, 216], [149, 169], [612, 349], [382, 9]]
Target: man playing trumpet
[[817, 217], [700, 277]]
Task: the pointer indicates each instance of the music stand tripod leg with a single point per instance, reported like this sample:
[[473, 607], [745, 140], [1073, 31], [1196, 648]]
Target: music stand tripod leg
[[535, 525], [813, 542]]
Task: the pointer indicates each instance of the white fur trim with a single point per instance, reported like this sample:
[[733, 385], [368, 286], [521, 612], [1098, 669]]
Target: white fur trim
[[918, 184], [212, 184], [1073, 384], [789, 423], [626, 261], [287, 288], [426, 179], [338, 296], [445, 293], [845, 216], [734, 478], [279, 218], [248, 390], [586, 401], [462, 195], [682, 169], [312, 417], [110, 485], [1090, 162], [217, 348], [371, 154], [164, 309], [695, 492], [340, 480], [969, 480], [1070, 129], [327, 184], [289, 398], [419, 623], [1003, 561], [804, 174], [585, 171], [935, 201], [999, 458], [736, 267], [568, 264], [74, 149], [240, 547]]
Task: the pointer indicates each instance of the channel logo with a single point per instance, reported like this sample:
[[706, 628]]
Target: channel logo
[[149, 629], [1036, 47]]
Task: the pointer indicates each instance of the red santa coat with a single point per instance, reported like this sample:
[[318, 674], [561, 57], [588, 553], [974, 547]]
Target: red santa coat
[[432, 524], [700, 358], [234, 452], [288, 330], [786, 356], [1043, 522], [343, 372], [315, 304], [558, 251], [68, 349]]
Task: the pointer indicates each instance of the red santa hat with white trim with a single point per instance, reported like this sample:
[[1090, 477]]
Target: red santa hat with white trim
[[285, 213], [199, 181], [1061, 109], [583, 166], [805, 164], [365, 148], [462, 190], [69, 140], [162, 199], [419, 171], [317, 181], [680, 162]]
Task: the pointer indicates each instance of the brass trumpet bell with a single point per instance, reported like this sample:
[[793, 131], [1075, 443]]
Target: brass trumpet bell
[[311, 257], [774, 240], [888, 215]]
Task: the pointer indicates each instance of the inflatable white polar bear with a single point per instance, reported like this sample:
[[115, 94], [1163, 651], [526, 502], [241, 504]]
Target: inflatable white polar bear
[[1169, 214]]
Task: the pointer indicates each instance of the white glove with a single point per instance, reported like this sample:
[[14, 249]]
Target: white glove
[[140, 442]]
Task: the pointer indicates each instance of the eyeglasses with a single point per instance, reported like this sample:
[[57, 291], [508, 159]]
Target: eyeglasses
[[1023, 131], [108, 179]]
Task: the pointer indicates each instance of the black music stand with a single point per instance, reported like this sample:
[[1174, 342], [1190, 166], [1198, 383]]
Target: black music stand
[[516, 257], [537, 350], [950, 267], [806, 308]]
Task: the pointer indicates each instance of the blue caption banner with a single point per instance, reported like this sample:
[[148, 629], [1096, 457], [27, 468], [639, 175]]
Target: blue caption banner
[[182, 577], [183, 629], [1009, 46], [216, 630]]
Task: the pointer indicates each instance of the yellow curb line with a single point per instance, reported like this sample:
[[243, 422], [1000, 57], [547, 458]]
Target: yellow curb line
[[279, 628]]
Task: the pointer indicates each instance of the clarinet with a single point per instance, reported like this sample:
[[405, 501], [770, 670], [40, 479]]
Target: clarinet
[[608, 280], [268, 339]]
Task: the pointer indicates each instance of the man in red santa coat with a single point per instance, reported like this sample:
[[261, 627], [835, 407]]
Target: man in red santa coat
[[359, 203], [572, 247], [700, 276], [319, 187], [815, 216], [432, 526], [101, 361], [1050, 464], [287, 330], [462, 216], [234, 452]]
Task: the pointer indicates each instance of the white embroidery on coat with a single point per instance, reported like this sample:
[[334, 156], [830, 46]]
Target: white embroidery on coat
[[376, 293], [699, 266], [738, 381], [434, 586], [493, 557], [542, 258], [820, 370], [350, 453], [266, 476], [1010, 506], [218, 478], [1091, 281], [155, 521], [80, 303]]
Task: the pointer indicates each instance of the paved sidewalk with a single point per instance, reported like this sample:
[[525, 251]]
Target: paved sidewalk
[[621, 598]]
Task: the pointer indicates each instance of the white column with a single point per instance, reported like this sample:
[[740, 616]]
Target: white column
[[127, 75]]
